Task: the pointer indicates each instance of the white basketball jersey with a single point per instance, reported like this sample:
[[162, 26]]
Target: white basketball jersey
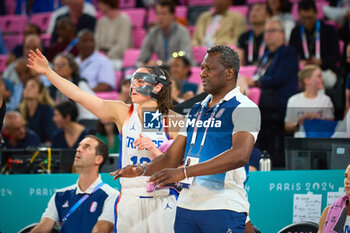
[[131, 130]]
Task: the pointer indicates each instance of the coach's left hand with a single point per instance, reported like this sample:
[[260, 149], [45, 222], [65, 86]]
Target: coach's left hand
[[167, 176]]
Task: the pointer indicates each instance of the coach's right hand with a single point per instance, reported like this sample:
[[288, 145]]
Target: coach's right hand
[[128, 171]]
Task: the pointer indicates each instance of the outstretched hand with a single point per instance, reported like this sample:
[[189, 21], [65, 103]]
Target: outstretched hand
[[37, 62], [128, 171], [167, 176]]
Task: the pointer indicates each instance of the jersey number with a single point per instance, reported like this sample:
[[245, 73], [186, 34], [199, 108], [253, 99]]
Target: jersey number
[[134, 160]]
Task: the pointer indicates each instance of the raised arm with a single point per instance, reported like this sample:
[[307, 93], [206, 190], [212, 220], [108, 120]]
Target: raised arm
[[115, 111]]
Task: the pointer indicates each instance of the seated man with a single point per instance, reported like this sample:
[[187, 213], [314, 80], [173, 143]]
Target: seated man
[[166, 37], [96, 68], [317, 43], [277, 76], [251, 45], [219, 27], [16, 135], [95, 211]]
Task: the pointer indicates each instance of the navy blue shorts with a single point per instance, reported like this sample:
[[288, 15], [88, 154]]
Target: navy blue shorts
[[209, 221]]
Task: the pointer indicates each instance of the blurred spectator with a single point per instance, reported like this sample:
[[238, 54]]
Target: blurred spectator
[[29, 7], [180, 69], [309, 104], [88, 9], [65, 66], [282, 8], [3, 49], [166, 37], [77, 16], [6, 88], [96, 68], [347, 85], [314, 44], [338, 12], [219, 27], [276, 75], [36, 109], [17, 51], [251, 45], [31, 42], [344, 35], [16, 135], [24, 75], [124, 94], [70, 132], [2, 104], [108, 133], [67, 42], [176, 91], [113, 31]]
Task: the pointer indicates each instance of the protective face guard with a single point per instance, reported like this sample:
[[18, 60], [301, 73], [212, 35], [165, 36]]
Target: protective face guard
[[148, 78]]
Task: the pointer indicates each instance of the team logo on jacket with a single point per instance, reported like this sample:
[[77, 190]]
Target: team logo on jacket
[[220, 112], [93, 207], [65, 205]]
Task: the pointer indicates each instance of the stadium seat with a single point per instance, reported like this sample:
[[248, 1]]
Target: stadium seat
[[45, 39], [199, 53], [118, 77], [247, 71], [12, 41], [317, 128], [309, 227], [200, 2], [13, 24], [254, 94], [181, 12], [127, 4], [319, 6], [341, 47], [42, 20], [2, 63], [138, 34], [130, 57], [191, 30], [137, 16], [251, 2], [195, 78], [10, 6], [241, 9]]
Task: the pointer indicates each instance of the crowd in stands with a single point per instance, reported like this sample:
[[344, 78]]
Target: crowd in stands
[[298, 49]]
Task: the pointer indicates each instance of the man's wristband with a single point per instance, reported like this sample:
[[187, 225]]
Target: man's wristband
[[185, 173]]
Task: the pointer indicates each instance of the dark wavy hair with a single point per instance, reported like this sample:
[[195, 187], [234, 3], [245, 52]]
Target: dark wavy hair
[[68, 108], [164, 96], [111, 3]]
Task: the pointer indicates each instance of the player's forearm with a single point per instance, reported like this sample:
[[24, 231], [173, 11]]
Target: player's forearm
[[65, 86], [228, 160], [159, 163]]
